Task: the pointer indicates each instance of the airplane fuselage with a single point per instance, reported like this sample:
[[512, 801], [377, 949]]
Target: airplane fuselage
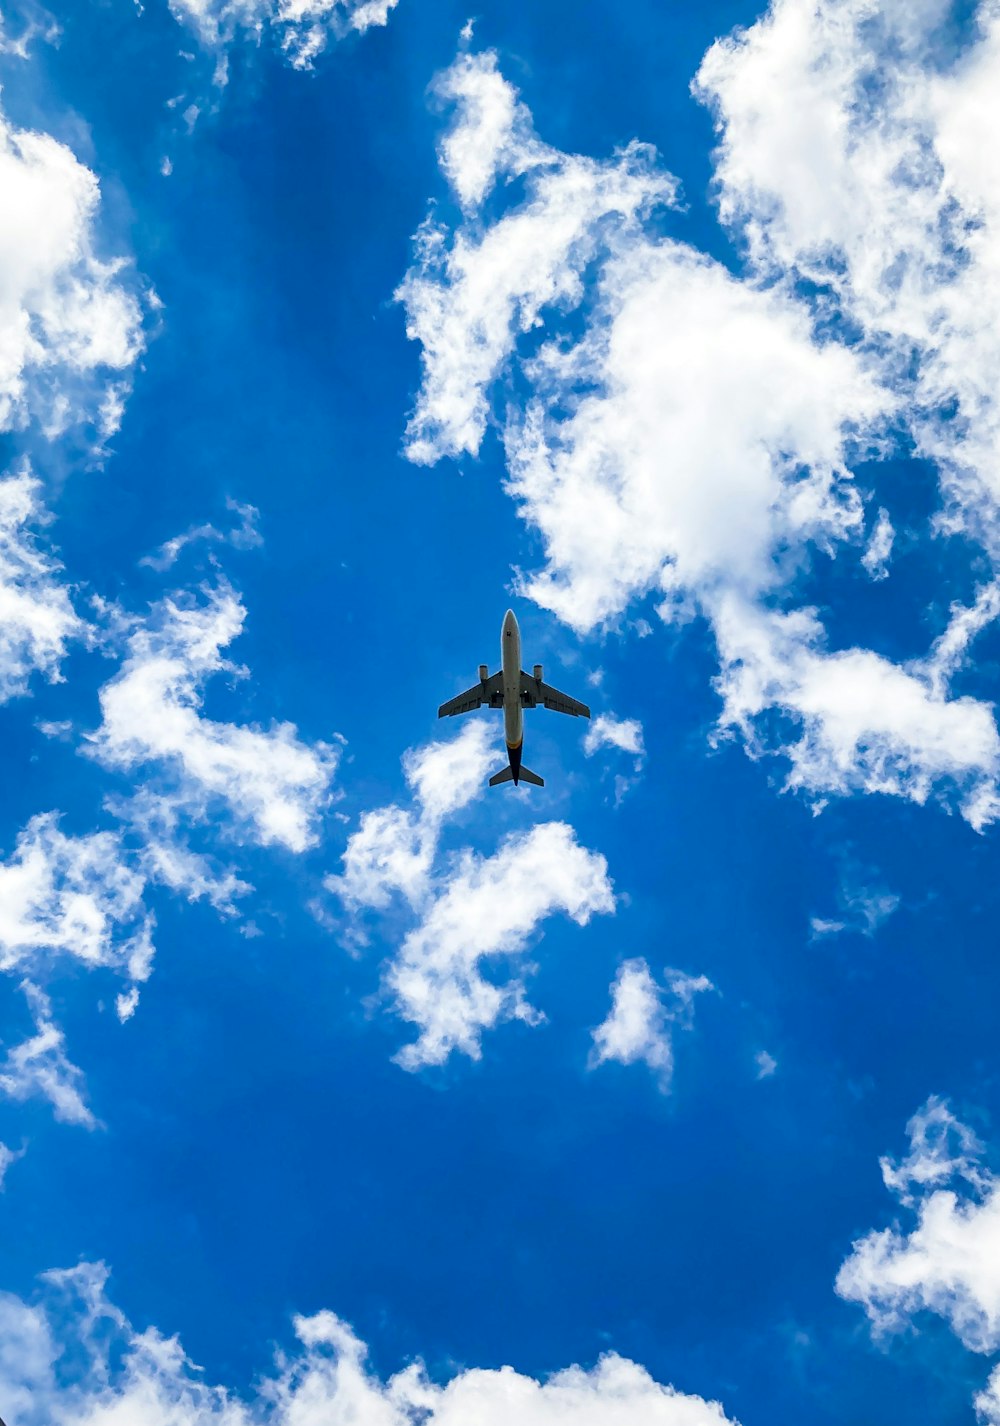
[[510, 665], [513, 690]]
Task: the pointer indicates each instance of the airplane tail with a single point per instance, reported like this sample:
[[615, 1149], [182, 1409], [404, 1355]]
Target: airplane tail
[[524, 775]]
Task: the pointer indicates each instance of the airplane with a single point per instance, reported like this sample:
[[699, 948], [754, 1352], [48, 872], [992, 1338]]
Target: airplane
[[513, 690]]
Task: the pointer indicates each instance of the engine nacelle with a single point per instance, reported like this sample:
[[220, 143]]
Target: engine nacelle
[[484, 672], [537, 672]]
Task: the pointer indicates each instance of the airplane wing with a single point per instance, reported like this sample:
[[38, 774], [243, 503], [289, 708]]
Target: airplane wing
[[533, 692], [490, 691]]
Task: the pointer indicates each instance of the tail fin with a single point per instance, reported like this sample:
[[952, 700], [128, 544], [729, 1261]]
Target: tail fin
[[524, 775]]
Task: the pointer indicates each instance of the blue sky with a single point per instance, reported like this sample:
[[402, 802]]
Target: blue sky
[[335, 1086]]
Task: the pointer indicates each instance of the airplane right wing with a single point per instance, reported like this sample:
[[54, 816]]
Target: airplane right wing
[[490, 691], [560, 702]]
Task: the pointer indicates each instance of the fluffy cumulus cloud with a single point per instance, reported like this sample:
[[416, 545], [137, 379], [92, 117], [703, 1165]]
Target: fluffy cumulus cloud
[[948, 1261], [607, 731], [270, 785], [37, 619], [471, 910], [71, 896], [643, 1014], [472, 293], [688, 434], [70, 323], [394, 849], [71, 1357], [488, 908], [887, 195], [302, 28]]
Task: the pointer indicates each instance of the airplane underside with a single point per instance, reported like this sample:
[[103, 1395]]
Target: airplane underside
[[513, 690]]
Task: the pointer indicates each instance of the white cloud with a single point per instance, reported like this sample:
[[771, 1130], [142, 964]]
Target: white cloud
[[949, 651], [445, 776], [693, 443], [272, 785], [242, 536], [886, 194], [165, 855], [638, 1029], [394, 848], [36, 23], [876, 556], [75, 896], [145, 1378], [68, 896], [37, 620], [625, 734], [303, 28], [863, 723], [40, 1068], [862, 908], [488, 907], [8, 1156], [766, 1064], [470, 908], [987, 1402], [468, 300], [607, 731], [70, 328], [949, 1261]]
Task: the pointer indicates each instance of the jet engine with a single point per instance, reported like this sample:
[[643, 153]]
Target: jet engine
[[537, 672], [484, 672]]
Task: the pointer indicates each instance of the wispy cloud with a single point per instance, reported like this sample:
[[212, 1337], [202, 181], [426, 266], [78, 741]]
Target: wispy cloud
[[37, 618], [626, 736], [862, 907], [639, 1027], [302, 29], [8, 1156], [243, 535], [40, 1068], [33, 23]]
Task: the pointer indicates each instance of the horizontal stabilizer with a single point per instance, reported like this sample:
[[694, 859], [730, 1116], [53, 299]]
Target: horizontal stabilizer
[[524, 775]]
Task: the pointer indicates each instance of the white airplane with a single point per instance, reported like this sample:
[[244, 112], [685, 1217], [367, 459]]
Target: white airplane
[[512, 690]]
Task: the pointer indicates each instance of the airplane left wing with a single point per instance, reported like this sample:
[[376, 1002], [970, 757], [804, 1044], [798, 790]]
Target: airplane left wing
[[490, 691], [534, 691]]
